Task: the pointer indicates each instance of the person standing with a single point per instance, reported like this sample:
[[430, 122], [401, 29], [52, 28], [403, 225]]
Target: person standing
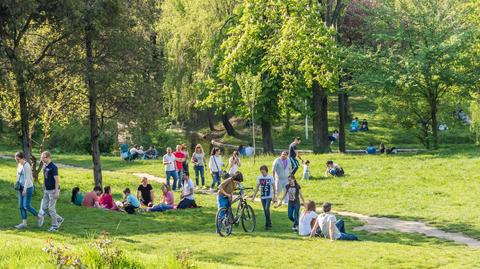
[[198, 160], [294, 194], [25, 190], [281, 169], [234, 163], [170, 168], [266, 183], [51, 193], [293, 154], [215, 164], [179, 159]]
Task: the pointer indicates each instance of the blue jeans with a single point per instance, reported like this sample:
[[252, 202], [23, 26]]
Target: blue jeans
[[215, 179], [266, 210], [161, 208], [223, 202], [293, 213], [180, 179], [343, 235], [175, 178], [24, 203], [199, 171]]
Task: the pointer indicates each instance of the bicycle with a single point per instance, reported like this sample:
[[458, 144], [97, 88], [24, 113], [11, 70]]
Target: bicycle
[[243, 214]]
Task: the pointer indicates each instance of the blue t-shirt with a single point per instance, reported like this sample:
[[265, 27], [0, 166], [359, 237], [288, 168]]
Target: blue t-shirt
[[291, 150], [49, 173], [133, 200]]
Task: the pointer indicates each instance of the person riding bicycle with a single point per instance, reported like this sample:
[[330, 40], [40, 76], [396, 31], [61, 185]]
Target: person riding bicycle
[[226, 189]]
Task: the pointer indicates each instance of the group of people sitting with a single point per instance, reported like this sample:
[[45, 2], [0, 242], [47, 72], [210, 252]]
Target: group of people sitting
[[144, 198], [137, 152], [245, 151], [357, 126], [371, 149]]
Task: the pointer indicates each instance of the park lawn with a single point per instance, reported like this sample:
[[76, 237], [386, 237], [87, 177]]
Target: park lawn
[[439, 188]]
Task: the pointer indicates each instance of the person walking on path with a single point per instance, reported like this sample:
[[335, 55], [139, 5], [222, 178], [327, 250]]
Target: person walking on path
[[51, 193], [24, 187], [281, 169], [215, 164], [293, 154]]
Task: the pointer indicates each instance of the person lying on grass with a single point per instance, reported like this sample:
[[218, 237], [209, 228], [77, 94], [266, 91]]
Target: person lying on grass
[[307, 218], [188, 200], [131, 203], [106, 199], [145, 193], [328, 226], [266, 183], [334, 169], [91, 198], [77, 196], [166, 204], [294, 194]]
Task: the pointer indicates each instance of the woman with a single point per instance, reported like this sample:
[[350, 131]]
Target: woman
[[25, 189], [185, 152], [215, 164], [198, 160], [77, 196], [234, 163], [167, 203], [106, 200], [307, 219]]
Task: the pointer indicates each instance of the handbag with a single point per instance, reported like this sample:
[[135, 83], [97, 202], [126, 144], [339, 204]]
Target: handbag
[[219, 171], [17, 186]]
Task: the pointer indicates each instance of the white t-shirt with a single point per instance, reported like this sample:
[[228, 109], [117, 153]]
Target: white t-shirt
[[186, 189], [266, 186], [324, 221], [304, 227], [234, 165], [171, 162], [215, 163], [248, 151]]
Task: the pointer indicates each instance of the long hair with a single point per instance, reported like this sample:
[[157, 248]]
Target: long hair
[[75, 191], [309, 206], [199, 146]]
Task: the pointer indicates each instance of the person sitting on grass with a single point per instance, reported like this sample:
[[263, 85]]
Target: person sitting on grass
[[307, 219], [135, 152], [364, 125], [77, 196], [371, 149], [334, 169], [91, 198], [106, 199], [151, 153], [306, 169], [334, 137], [329, 227], [293, 194], [187, 198], [130, 203], [355, 125], [167, 202], [145, 193], [266, 183]]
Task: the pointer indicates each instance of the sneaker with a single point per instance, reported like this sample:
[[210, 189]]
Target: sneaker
[[40, 220], [211, 190], [21, 226], [59, 222], [53, 229]]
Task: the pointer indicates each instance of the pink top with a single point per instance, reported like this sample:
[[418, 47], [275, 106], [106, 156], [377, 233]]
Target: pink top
[[106, 200], [168, 198]]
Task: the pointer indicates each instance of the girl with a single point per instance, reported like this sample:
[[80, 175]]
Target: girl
[[234, 163], [306, 169], [294, 194], [167, 203], [215, 164], [25, 189], [198, 160], [106, 200], [77, 196], [307, 219], [185, 152]]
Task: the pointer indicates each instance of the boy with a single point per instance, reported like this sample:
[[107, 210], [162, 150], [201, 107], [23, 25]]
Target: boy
[[293, 154], [267, 190], [226, 189], [330, 227], [334, 169], [131, 202], [91, 198]]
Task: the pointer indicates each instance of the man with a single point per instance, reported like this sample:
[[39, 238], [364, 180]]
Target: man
[[51, 193], [170, 168], [187, 197], [151, 153], [330, 227], [281, 169], [179, 159], [91, 198], [293, 154], [134, 152], [249, 150]]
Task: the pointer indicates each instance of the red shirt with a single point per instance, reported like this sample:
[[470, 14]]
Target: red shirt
[[106, 200], [179, 154]]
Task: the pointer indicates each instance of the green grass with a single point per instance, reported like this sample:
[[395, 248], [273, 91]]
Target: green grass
[[439, 188]]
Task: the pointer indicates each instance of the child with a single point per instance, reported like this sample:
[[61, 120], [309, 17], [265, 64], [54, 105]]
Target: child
[[294, 194], [131, 202], [307, 219], [306, 169], [267, 191], [106, 200], [77, 196], [167, 203], [334, 169]]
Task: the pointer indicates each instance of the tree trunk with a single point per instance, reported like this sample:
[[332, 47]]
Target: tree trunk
[[22, 97], [228, 126], [267, 136], [433, 115], [288, 122], [211, 125], [320, 120], [425, 139], [92, 99], [342, 111]]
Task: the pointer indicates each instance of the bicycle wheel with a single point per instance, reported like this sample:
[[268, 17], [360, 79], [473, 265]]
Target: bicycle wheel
[[224, 227], [248, 219]]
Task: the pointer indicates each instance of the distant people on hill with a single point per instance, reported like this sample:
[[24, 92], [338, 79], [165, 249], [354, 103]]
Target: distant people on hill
[[241, 150], [266, 184], [442, 127], [130, 203], [392, 150], [382, 148], [293, 154], [170, 167], [91, 198], [135, 152], [355, 125], [77, 196], [179, 159], [371, 149], [216, 164], [198, 160], [106, 199], [234, 163], [461, 115], [364, 125], [24, 187], [187, 195], [334, 169], [334, 137], [281, 169], [167, 202], [187, 157], [329, 227], [145, 193], [249, 150], [151, 153], [306, 169], [307, 218], [293, 195]]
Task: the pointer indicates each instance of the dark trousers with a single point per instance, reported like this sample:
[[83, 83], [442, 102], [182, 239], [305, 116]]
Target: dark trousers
[[186, 203], [266, 210], [293, 213]]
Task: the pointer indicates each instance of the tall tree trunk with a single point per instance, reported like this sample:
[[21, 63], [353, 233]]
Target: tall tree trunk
[[320, 120], [342, 120], [267, 136], [92, 99], [288, 122], [424, 137], [433, 115], [211, 125], [228, 126], [22, 97]]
